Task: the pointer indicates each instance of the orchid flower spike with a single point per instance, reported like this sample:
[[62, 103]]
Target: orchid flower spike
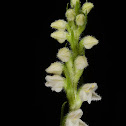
[[68, 71]]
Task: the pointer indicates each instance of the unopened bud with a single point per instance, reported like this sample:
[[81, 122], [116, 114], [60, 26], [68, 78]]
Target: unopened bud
[[59, 24], [89, 42], [64, 54], [55, 68], [73, 2], [60, 36], [81, 62], [70, 14], [86, 8], [80, 19]]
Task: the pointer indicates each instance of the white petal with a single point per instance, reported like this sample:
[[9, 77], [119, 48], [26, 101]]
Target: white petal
[[57, 89], [83, 95], [89, 98], [75, 114], [54, 78], [56, 82], [81, 123], [72, 122], [90, 86], [47, 84], [95, 97]]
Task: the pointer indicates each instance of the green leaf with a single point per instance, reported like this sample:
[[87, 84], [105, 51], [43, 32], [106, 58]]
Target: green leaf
[[62, 113], [67, 6], [77, 8]]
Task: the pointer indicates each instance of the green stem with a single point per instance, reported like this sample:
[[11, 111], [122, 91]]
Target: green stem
[[68, 86]]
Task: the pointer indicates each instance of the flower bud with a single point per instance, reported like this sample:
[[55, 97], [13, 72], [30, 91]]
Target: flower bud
[[64, 54], [73, 2], [59, 24], [60, 36], [56, 82], [89, 42], [80, 19], [70, 14], [55, 68], [81, 62], [87, 6]]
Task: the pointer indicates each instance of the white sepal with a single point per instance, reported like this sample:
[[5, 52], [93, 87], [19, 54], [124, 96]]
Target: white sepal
[[64, 54], [89, 41], [80, 19], [55, 68], [87, 6], [56, 82], [81, 62], [59, 24], [70, 14], [59, 35]]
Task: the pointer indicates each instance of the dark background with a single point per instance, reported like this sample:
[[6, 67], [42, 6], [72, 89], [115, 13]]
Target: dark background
[[42, 106]]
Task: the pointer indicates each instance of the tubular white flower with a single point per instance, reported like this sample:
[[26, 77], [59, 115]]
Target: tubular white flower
[[80, 19], [89, 42], [56, 82], [59, 24], [87, 6], [87, 93], [55, 68], [81, 62], [64, 54], [73, 118], [70, 14], [73, 2], [59, 35]]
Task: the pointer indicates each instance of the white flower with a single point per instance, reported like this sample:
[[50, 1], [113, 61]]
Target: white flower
[[80, 19], [64, 54], [73, 118], [87, 93], [56, 82], [81, 62], [59, 24], [89, 42], [70, 14], [59, 35], [55, 68], [87, 6]]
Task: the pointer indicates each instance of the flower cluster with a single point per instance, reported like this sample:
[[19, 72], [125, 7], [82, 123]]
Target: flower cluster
[[67, 71]]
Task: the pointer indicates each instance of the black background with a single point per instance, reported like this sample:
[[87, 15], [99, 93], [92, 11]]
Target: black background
[[42, 106]]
